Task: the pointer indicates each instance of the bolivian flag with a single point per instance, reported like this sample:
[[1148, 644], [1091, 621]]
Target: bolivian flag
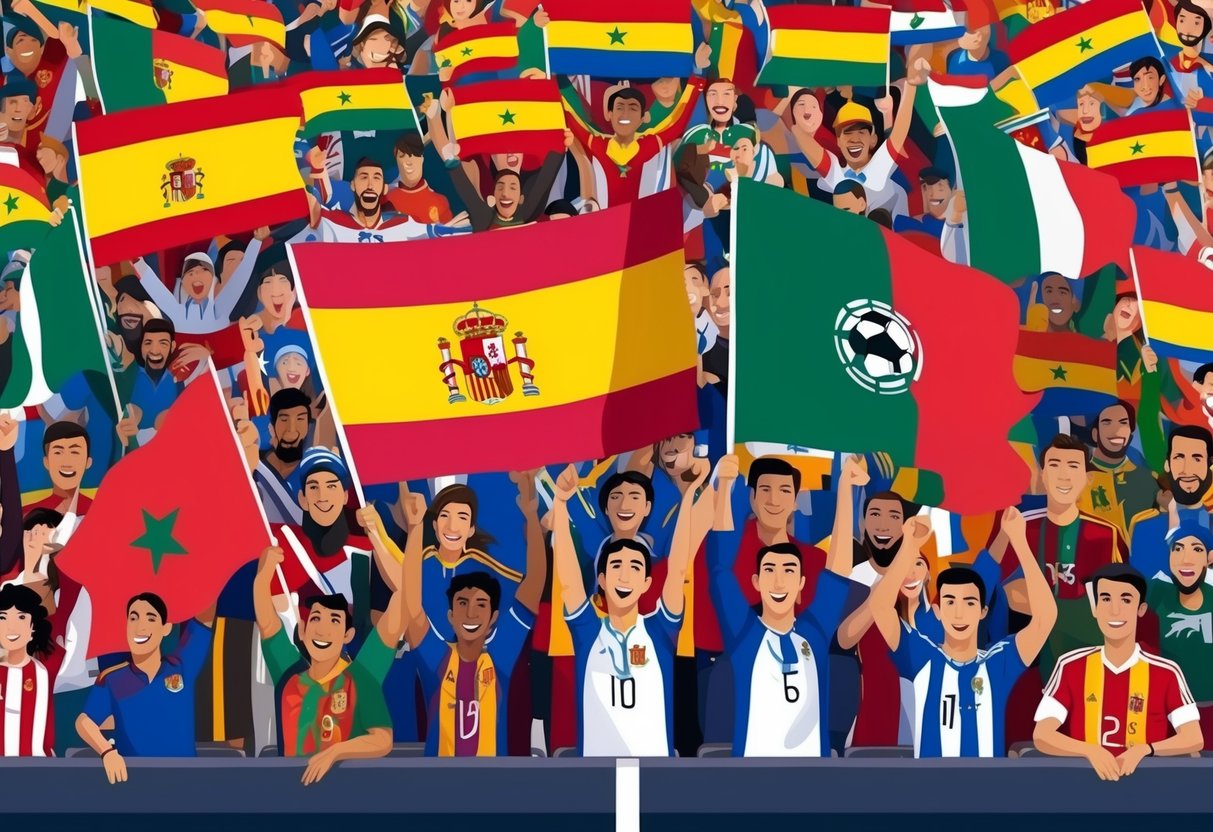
[[577, 351], [185, 69], [1176, 303], [487, 48], [636, 39], [825, 46], [524, 116], [1056, 56], [25, 211], [364, 99], [165, 176], [1147, 148], [244, 21], [1077, 373]]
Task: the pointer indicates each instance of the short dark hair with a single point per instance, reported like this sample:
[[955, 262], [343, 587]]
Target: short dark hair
[[23, 599], [1191, 8], [931, 175], [58, 431], [850, 186], [787, 548], [409, 144], [624, 478], [160, 325], [1204, 369], [1066, 442], [152, 600], [475, 580], [560, 206], [232, 245], [774, 466], [280, 267], [288, 398], [887, 496], [615, 546], [1120, 573], [1129, 409], [1191, 432], [1147, 62], [337, 603], [41, 517], [367, 162], [881, 217], [628, 94], [958, 576], [504, 172]]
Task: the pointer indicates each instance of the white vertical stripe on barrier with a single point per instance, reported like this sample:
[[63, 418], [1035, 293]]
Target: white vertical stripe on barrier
[[627, 796]]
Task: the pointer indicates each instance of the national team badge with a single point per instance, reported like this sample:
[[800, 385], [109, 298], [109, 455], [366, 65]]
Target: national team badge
[[487, 677], [162, 74], [28, 685], [636, 655], [174, 683], [339, 701], [1137, 703], [804, 649], [327, 725], [43, 78], [182, 182], [486, 369], [979, 685]]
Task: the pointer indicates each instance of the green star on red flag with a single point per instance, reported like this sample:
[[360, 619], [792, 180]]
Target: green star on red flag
[[507, 117], [1084, 45], [616, 37], [344, 97], [1059, 372], [158, 538], [11, 203], [1137, 148]]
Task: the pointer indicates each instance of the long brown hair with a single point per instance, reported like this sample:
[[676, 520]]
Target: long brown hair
[[464, 495]]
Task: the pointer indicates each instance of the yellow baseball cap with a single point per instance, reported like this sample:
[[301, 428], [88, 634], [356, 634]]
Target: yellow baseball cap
[[852, 113]]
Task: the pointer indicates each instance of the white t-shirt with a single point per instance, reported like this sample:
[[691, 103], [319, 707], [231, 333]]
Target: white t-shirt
[[876, 177]]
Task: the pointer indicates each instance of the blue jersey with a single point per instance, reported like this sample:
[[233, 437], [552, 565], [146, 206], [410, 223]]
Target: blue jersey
[[959, 708]]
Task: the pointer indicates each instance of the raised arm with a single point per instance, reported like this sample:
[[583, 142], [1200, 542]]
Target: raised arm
[[564, 555], [268, 622], [1041, 604], [417, 623], [916, 77], [681, 553], [840, 558], [155, 288], [232, 292], [883, 599], [392, 623], [530, 591]]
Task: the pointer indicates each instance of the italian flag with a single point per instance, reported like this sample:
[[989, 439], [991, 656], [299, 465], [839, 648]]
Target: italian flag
[[57, 334], [872, 362], [1028, 212]]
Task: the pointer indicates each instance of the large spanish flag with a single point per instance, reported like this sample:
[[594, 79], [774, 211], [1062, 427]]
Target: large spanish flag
[[1076, 373], [577, 351], [364, 99], [825, 46], [25, 211], [525, 116], [185, 69], [624, 39], [1148, 148], [490, 47], [1176, 303], [165, 176], [244, 21], [1058, 55]]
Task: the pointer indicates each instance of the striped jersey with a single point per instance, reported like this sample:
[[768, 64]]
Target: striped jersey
[[28, 728], [960, 706]]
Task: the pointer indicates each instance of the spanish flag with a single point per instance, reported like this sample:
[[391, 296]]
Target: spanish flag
[[165, 176], [1176, 303], [244, 21], [487, 48], [636, 39], [1148, 148], [1077, 373], [185, 69], [364, 99], [825, 46], [25, 211], [576, 351], [524, 116], [1056, 56]]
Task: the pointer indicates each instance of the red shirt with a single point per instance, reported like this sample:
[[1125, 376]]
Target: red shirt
[[28, 727], [45, 77], [813, 563]]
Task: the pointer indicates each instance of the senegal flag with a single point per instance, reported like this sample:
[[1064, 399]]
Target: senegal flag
[[489, 47], [362, 99], [57, 333], [859, 355], [525, 116], [244, 22], [24, 210]]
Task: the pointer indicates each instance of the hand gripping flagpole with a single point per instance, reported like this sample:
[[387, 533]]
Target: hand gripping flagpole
[[1145, 333]]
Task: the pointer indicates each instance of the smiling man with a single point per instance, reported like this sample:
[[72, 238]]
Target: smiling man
[[155, 389], [1120, 488], [1187, 466], [1117, 703], [65, 456], [412, 195], [507, 206]]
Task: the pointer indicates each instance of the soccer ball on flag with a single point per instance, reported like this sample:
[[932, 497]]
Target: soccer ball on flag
[[878, 347]]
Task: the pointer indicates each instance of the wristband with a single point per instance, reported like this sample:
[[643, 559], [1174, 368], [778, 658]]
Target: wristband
[[107, 751]]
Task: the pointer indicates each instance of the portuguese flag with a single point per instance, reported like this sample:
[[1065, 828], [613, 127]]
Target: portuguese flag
[[875, 361], [154, 518], [365, 99]]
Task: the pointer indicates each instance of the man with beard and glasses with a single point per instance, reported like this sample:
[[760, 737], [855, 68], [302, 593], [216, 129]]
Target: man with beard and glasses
[[1184, 605], [155, 389], [366, 221], [290, 424], [1120, 488], [1187, 466]]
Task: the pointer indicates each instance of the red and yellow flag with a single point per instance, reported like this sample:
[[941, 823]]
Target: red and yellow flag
[[487, 48], [524, 116], [1145, 149], [165, 176], [577, 351], [244, 21], [185, 69]]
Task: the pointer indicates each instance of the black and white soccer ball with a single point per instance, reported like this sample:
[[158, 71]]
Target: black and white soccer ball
[[878, 347]]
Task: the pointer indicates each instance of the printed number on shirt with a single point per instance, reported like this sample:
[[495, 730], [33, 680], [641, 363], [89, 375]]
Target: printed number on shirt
[[469, 713], [790, 691], [623, 692], [1106, 740], [947, 711]]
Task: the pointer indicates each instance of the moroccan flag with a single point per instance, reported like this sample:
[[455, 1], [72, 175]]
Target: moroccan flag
[[1028, 212], [923, 21], [873, 362], [166, 176], [25, 211], [1151, 147], [625, 39], [1085, 43], [490, 47], [825, 46], [122, 55], [1076, 373], [177, 517], [364, 99], [525, 116], [244, 22], [185, 69], [1176, 304], [57, 334], [577, 351]]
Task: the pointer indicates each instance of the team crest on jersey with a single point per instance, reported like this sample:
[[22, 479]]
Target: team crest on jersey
[[183, 181], [43, 78], [1137, 703], [487, 676], [636, 655], [327, 726], [979, 685], [1092, 697], [340, 701], [174, 683], [28, 685], [804, 649], [485, 366]]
